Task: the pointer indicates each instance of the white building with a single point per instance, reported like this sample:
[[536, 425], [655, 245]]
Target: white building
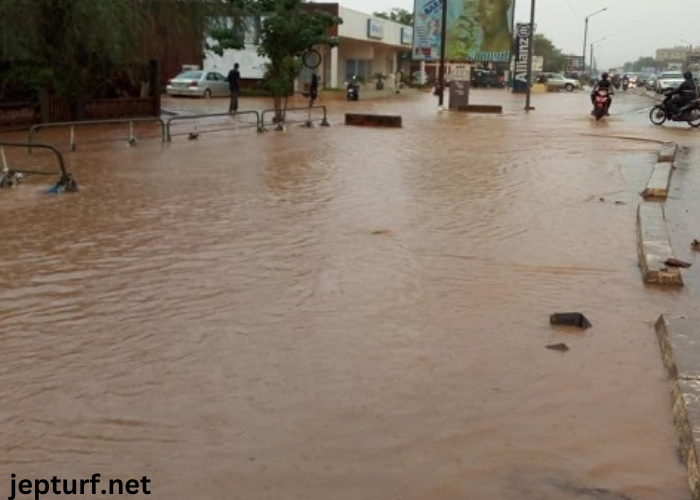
[[368, 45]]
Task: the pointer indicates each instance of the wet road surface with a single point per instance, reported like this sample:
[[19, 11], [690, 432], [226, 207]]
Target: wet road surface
[[346, 313]]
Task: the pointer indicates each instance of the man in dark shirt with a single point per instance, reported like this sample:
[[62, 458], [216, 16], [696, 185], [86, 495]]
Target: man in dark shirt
[[603, 84], [685, 93], [233, 78]]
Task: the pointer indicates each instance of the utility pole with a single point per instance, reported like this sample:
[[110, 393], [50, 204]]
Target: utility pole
[[530, 54], [443, 45]]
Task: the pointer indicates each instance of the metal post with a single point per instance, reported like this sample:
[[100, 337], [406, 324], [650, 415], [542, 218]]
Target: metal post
[[530, 53], [585, 39], [443, 45]]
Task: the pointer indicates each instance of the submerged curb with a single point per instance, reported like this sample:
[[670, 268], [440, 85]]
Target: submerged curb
[[654, 247], [679, 341], [659, 182]]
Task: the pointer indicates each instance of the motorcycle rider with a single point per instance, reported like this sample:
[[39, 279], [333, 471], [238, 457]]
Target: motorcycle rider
[[603, 84], [685, 93]]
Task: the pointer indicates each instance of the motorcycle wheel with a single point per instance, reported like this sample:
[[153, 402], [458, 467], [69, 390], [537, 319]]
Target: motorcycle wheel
[[657, 115], [694, 118]]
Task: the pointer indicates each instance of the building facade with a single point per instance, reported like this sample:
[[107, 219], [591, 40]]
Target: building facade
[[368, 46]]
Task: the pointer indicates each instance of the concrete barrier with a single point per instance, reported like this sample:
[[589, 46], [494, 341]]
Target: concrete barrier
[[369, 120], [668, 152], [659, 182], [654, 247], [679, 341], [481, 108]]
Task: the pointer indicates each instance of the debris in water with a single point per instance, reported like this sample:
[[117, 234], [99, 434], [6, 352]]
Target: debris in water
[[558, 347], [677, 263], [695, 244], [570, 319]]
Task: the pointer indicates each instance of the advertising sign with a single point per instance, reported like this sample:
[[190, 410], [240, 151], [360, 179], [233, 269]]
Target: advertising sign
[[476, 31], [375, 29], [406, 36], [522, 50]]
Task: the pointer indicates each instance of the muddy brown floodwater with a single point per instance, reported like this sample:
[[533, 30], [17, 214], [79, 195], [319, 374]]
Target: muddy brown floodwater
[[343, 313]]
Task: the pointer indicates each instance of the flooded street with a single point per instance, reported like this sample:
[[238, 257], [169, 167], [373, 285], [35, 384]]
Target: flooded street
[[345, 313]]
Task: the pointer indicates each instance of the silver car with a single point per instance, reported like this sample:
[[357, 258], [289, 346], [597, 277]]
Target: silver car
[[560, 82], [198, 84], [669, 80]]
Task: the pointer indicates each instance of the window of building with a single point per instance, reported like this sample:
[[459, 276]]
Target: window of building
[[358, 67]]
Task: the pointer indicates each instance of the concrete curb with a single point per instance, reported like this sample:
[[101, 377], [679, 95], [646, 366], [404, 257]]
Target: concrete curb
[[370, 120], [668, 152], [481, 108], [654, 247], [659, 182], [679, 341]]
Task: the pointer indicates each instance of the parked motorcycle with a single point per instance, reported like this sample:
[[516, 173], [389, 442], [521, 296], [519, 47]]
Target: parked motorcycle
[[600, 104], [352, 91], [690, 113]]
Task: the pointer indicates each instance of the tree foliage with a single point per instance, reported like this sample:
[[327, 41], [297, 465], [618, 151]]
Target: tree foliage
[[287, 31], [401, 16], [554, 59], [71, 48], [641, 63]]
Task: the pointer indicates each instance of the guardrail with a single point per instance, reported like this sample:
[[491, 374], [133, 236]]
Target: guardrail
[[66, 180], [131, 139], [308, 121], [168, 135]]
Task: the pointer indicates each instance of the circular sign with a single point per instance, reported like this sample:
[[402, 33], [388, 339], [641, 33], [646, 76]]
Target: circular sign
[[524, 31]]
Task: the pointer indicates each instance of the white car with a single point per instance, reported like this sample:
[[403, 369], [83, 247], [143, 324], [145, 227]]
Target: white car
[[198, 84], [668, 80]]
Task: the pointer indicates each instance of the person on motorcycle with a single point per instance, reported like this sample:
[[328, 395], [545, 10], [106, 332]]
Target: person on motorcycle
[[685, 93], [603, 84]]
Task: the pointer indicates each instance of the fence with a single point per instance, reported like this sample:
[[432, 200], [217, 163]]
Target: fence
[[308, 120], [168, 134], [72, 125]]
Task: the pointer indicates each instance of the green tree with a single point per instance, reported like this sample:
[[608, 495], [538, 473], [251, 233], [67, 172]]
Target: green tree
[[401, 16], [554, 59], [287, 31], [71, 47], [641, 63]]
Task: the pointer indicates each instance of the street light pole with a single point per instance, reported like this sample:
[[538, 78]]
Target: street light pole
[[443, 44], [530, 54], [585, 35]]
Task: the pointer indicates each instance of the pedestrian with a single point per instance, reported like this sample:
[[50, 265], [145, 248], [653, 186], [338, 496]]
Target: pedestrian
[[313, 89], [233, 79]]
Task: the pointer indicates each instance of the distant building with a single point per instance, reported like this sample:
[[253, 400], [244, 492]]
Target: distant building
[[368, 45], [676, 54]]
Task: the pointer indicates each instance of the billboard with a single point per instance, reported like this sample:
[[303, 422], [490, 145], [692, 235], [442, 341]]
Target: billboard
[[477, 30]]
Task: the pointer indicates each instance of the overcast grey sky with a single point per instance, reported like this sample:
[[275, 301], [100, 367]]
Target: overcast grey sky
[[631, 28]]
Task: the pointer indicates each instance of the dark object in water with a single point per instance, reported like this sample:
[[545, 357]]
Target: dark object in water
[[10, 179], [570, 319], [558, 347], [677, 263], [695, 244]]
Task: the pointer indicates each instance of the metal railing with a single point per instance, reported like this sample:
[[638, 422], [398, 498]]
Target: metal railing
[[61, 163], [72, 125], [168, 134], [308, 121]]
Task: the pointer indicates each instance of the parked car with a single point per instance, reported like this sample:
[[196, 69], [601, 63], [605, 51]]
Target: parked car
[[651, 83], [198, 84], [486, 78], [669, 80], [559, 81]]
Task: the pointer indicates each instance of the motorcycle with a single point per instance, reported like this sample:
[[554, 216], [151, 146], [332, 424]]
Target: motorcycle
[[600, 104], [690, 113], [352, 91]]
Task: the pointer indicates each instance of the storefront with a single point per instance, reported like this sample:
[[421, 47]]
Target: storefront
[[369, 46]]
